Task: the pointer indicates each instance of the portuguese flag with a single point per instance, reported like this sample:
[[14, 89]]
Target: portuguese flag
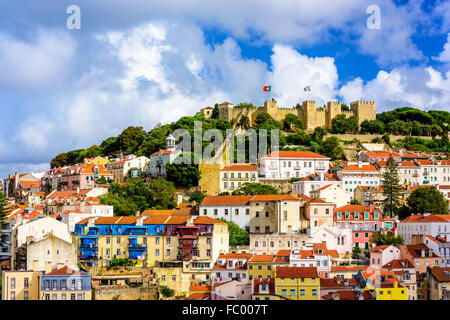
[[267, 88]]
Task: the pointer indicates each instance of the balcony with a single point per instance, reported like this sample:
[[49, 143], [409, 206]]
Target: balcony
[[425, 173], [87, 257], [137, 246], [87, 245], [415, 175]]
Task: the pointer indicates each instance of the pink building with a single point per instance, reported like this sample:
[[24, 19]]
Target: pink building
[[382, 255], [83, 176], [363, 221]]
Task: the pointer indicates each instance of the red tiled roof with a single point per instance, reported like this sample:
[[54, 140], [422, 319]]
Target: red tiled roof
[[207, 220], [329, 176], [262, 258], [366, 167], [398, 264], [297, 272], [273, 197], [353, 208], [226, 200], [240, 167], [381, 154], [30, 184], [270, 282], [295, 154], [380, 248], [429, 218], [441, 274], [65, 271], [348, 268]]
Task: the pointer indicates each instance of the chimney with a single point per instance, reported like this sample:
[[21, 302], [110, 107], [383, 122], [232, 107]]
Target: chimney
[[359, 164], [140, 221], [48, 266], [78, 190], [35, 265], [137, 213]]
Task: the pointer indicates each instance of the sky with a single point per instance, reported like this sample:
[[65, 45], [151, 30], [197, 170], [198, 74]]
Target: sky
[[143, 62]]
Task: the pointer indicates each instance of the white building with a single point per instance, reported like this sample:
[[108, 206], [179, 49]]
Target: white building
[[339, 239], [358, 174], [51, 249], [313, 182], [426, 224], [291, 164], [230, 266], [231, 208], [331, 193], [74, 213], [38, 228], [159, 160]]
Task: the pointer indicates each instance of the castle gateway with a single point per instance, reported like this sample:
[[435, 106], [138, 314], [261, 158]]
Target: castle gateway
[[310, 115]]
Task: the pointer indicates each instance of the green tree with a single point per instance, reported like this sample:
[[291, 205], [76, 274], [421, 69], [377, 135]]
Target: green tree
[[342, 124], [331, 148], [372, 126], [163, 193], [166, 291], [60, 160], [215, 112], [292, 123], [244, 122], [427, 200], [390, 183], [254, 189], [3, 212], [355, 252], [131, 138], [265, 121], [197, 196], [183, 175], [387, 139], [238, 237], [385, 238], [109, 146]]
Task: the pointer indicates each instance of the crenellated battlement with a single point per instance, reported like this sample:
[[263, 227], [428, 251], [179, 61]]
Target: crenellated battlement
[[309, 114]]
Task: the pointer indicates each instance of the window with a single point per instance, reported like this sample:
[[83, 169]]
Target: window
[[257, 214], [108, 240], [118, 252], [215, 212], [47, 284], [63, 284], [54, 285], [226, 212], [54, 296], [302, 292], [292, 292], [168, 252], [118, 240], [168, 241], [47, 297], [174, 278], [25, 295], [314, 292], [13, 283], [267, 214], [25, 283], [163, 278], [284, 292], [236, 212], [247, 211]]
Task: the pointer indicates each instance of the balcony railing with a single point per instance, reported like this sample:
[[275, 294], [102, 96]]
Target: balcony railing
[[136, 246]]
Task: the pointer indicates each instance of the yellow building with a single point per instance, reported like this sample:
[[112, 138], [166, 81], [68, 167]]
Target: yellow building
[[297, 283], [260, 266], [21, 285], [234, 176], [385, 284], [389, 291], [264, 289], [97, 160]]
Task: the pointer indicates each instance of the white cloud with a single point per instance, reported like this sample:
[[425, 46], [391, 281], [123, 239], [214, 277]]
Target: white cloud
[[444, 56], [292, 72], [34, 63], [392, 44], [415, 87]]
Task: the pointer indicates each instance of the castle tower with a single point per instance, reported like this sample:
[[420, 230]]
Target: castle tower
[[271, 107], [309, 114], [364, 110], [333, 109], [226, 111]]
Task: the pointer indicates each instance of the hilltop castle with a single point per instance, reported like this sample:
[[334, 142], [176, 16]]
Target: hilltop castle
[[308, 113]]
